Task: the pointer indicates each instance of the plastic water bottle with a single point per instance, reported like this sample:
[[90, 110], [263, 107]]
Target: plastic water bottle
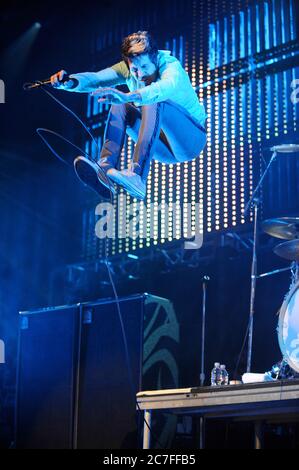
[[223, 375], [215, 374]]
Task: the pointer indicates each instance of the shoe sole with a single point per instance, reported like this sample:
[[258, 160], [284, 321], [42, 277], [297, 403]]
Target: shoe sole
[[89, 176], [130, 189]]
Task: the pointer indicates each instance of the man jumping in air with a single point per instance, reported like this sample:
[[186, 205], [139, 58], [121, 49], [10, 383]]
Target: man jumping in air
[[161, 113]]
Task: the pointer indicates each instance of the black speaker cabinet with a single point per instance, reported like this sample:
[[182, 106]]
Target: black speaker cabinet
[[74, 386]]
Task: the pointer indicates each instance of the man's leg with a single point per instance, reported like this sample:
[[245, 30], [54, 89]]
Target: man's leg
[[149, 126], [114, 136], [184, 136], [179, 139], [96, 175], [163, 132]]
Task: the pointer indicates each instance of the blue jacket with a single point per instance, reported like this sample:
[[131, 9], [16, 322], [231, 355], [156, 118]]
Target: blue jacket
[[173, 84]]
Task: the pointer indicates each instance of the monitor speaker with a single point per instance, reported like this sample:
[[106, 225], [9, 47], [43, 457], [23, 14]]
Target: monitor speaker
[[74, 386]]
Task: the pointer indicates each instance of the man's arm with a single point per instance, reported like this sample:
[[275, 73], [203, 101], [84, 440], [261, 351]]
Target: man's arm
[[87, 82]]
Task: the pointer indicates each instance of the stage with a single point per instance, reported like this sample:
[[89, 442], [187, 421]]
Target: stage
[[149, 201]]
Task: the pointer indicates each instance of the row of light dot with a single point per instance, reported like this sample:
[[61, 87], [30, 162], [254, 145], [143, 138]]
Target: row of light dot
[[163, 197], [249, 105], [225, 138], [156, 202], [234, 123], [276, 84], [148, 205], [192, 224], [267, 82], [127, 157], [209, 133], [115, 231], [142, 221], [179, 180], [287, 35], [294, 33], [216, 100], [284, 111], [242, 101], [224, 161], [295, 107], [184, 183], [199, 217], [122, 208], [218, 135], [175, 174], [135, 207]]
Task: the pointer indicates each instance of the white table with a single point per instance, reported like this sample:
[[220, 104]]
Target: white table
[[251, 401]]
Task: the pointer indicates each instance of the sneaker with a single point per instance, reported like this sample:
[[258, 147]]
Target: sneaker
[[91, 175], [130, 181]]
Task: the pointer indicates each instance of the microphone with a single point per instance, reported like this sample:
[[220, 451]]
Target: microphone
[[72, 83]]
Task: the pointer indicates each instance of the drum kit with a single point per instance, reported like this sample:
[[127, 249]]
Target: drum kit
[[287, 228], [284, 228]]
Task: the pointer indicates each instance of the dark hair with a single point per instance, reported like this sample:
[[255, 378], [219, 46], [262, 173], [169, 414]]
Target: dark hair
[[137, 44]]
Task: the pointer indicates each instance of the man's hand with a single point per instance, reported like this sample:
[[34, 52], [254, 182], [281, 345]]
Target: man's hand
[[114, 96], [56, 79], [111, 96]]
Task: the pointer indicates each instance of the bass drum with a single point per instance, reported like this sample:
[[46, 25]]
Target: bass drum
[[288, 328]]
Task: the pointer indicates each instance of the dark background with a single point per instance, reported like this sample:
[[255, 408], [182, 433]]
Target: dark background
[[41, 203]]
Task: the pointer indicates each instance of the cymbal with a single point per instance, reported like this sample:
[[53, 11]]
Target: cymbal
[[288, 250], [286, 228], [285, 148]]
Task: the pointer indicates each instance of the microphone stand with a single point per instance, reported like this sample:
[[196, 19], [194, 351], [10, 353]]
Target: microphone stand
[[205, 280], [254, 202], [203, 329]]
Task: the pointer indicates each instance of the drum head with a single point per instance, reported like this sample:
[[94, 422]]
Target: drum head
[[288, 328]]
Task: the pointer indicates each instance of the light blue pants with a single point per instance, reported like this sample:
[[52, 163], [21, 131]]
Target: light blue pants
[[162, 131]]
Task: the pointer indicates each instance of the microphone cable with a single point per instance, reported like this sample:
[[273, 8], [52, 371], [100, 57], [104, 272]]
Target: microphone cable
[[43, 86]]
